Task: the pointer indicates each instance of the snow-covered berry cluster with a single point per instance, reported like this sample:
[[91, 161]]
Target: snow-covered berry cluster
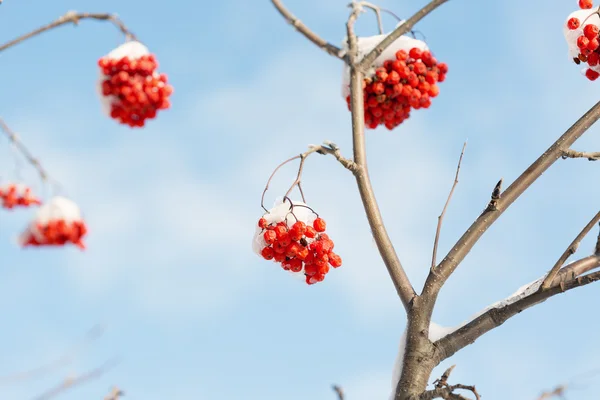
[[56, 223], [403, 77], [131, 89], [582, 32], [293, 236], [17, 195]]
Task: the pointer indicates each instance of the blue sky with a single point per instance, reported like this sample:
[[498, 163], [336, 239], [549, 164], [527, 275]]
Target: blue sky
[[188, 307]]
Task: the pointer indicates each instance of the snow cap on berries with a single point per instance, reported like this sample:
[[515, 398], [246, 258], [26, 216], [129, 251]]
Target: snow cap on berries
[[133, 50], [571, 35], [366, 44], [59, 210]]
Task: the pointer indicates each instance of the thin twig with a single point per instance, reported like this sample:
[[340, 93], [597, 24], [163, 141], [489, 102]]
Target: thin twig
[[304, 30], [74, 18], [406, 27], [326, 148], [14, 138], [64, 360], [377, 10], [339, 391], [70, 383], [386, 249], [569, 251], [441, 217], [594, 156], [446, 391]]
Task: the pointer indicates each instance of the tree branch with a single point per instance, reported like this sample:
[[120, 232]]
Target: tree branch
[[464, 245], [368, 60], [339, 391], [441, 217], [444, 390], [384, 244], [304, 30], [20, 146], [569, 251], [468, 333], [74, 18], [595, 156]]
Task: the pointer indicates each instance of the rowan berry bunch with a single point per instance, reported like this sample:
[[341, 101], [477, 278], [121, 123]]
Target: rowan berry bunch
[[407, 82], [581, 31], [132, 88], [17, 195], [299, 246], [56, 223]]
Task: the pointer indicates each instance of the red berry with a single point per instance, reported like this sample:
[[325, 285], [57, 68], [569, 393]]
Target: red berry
[[593, 59], [415, 53], [593, 44], [319, 225], [591, 74], [270, 236], [573, 23], [268, 253], [590, 31], [401, 55], [335, 260], [262, 223], [582, 42], [585, 4]]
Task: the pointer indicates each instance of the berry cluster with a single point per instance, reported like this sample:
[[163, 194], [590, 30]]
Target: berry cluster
[[135, 89], [400, 85], [13, 195], [583, 36], [56, 223], [300, 247], [56, 233]]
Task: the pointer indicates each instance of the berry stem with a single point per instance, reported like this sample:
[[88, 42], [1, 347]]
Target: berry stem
[[74, 18]]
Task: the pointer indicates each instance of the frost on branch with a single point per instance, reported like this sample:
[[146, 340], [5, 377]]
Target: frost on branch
[[436, 332], [17, 195], [130, 88], [402, 78], [56, 223], [581, 31], [292, 234]]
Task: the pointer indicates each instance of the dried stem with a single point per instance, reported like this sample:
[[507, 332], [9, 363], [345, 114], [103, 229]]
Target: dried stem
[[569, 251], [595, 156], [558, 391], [384, 244], [339, 391], [446, 391], [304, 30], [14, 138], [74, 18], [406, 27], [70, 383], [377, 10], [441, 217]]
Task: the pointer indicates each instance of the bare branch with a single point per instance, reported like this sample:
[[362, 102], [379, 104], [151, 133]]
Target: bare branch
[[304, 30], [384, 244], [14, 139], [74, 18], [70, 383], [468, 333], [377, 10], [406, 27], [464, 245], [441, 217], [569, 251], [339, 391], [595, 156]]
